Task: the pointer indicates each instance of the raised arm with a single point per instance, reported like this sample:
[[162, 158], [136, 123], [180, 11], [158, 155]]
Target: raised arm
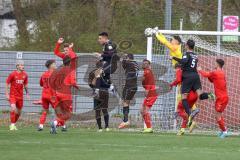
[[57, 51], [165, 42]]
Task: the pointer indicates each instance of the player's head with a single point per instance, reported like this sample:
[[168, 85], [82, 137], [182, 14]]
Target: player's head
[[102, 38], [177, 65], [128, 56], [51, 64], [146, 64], [20, 65], [176, 40], [66, 61], [190, 44], [220, 63], [66, 47]]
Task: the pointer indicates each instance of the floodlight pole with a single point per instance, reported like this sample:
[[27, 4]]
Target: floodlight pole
[[168, 14], [219, 20]]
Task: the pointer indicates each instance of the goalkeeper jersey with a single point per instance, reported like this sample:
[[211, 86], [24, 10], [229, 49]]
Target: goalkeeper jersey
[[175, 50]]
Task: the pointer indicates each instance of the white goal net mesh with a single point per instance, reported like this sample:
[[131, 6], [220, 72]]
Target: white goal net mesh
[[208, 51]]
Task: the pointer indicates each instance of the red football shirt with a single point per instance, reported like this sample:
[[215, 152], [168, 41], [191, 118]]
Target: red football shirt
[[60, 54], [17, 80], [72, 55], [178, 77], [149, 82], [47, 92], [217, 77]]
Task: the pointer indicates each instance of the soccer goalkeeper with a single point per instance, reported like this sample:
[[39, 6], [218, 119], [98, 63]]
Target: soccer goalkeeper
[[174, 45]]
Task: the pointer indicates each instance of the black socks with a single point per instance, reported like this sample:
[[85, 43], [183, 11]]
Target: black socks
[[125, 113]]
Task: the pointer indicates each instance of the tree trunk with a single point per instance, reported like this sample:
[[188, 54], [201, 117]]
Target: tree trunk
[[104, 14], [21, 22]]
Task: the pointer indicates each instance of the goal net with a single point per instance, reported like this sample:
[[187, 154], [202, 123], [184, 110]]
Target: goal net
[[209, 47]]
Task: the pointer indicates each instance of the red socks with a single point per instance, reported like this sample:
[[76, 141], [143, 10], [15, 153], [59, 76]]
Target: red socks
[[43, 118], [60, 122], [184, 117], [12, 117], [221, 124], [147, 120], [16, 117]]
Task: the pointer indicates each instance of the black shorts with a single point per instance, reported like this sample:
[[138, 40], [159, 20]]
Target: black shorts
[[128, 92], [190, 82], [102, 101]]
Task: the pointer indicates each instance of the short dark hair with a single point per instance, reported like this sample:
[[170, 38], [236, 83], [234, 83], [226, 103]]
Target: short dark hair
[[146, 60], [177, 38], [220, 62], [191, 44], [65, 45], [103, 34], [49, 62], [130, 56], [66, 61]]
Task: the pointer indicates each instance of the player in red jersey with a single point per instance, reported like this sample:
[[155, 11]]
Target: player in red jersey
[[61, 82], [148, 82], [217, 77], [191, 98], [47, 92], [17, 80], [68, 51]]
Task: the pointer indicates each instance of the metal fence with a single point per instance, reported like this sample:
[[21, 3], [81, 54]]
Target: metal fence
[[82, 103]]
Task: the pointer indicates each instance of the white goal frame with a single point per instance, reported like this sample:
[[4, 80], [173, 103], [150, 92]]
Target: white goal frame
[[178, 32], [216, 49]]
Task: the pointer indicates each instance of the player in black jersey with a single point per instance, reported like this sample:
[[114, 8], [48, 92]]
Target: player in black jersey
[[97, 81], [130, 88], [190, 76], [108, 57]]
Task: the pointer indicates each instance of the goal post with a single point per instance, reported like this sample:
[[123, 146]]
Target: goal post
[[207, 49]]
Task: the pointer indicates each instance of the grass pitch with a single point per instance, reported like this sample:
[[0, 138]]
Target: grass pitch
[[80, 144]]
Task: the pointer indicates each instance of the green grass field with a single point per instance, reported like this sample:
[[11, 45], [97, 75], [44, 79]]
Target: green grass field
[[79, 144]]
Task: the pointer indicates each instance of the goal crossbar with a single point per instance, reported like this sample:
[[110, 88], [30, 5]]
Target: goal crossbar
[[213, 33]]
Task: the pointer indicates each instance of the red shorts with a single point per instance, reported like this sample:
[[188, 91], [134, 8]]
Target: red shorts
[[221, 104], [64, 109], [149, 101], [192, 99], [17, 101], [46, 102]]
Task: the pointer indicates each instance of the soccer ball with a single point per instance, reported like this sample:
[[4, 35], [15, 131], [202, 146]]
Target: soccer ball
[[148, 32]]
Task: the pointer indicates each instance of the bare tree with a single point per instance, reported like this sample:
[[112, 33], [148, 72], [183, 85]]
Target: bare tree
[[104, 14], [21, 22]]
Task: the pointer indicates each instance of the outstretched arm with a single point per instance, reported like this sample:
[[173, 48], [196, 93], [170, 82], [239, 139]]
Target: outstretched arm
[[165, 42], [205, 73], [184, 59]]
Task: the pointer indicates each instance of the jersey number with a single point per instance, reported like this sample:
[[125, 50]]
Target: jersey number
[[193, 63]]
